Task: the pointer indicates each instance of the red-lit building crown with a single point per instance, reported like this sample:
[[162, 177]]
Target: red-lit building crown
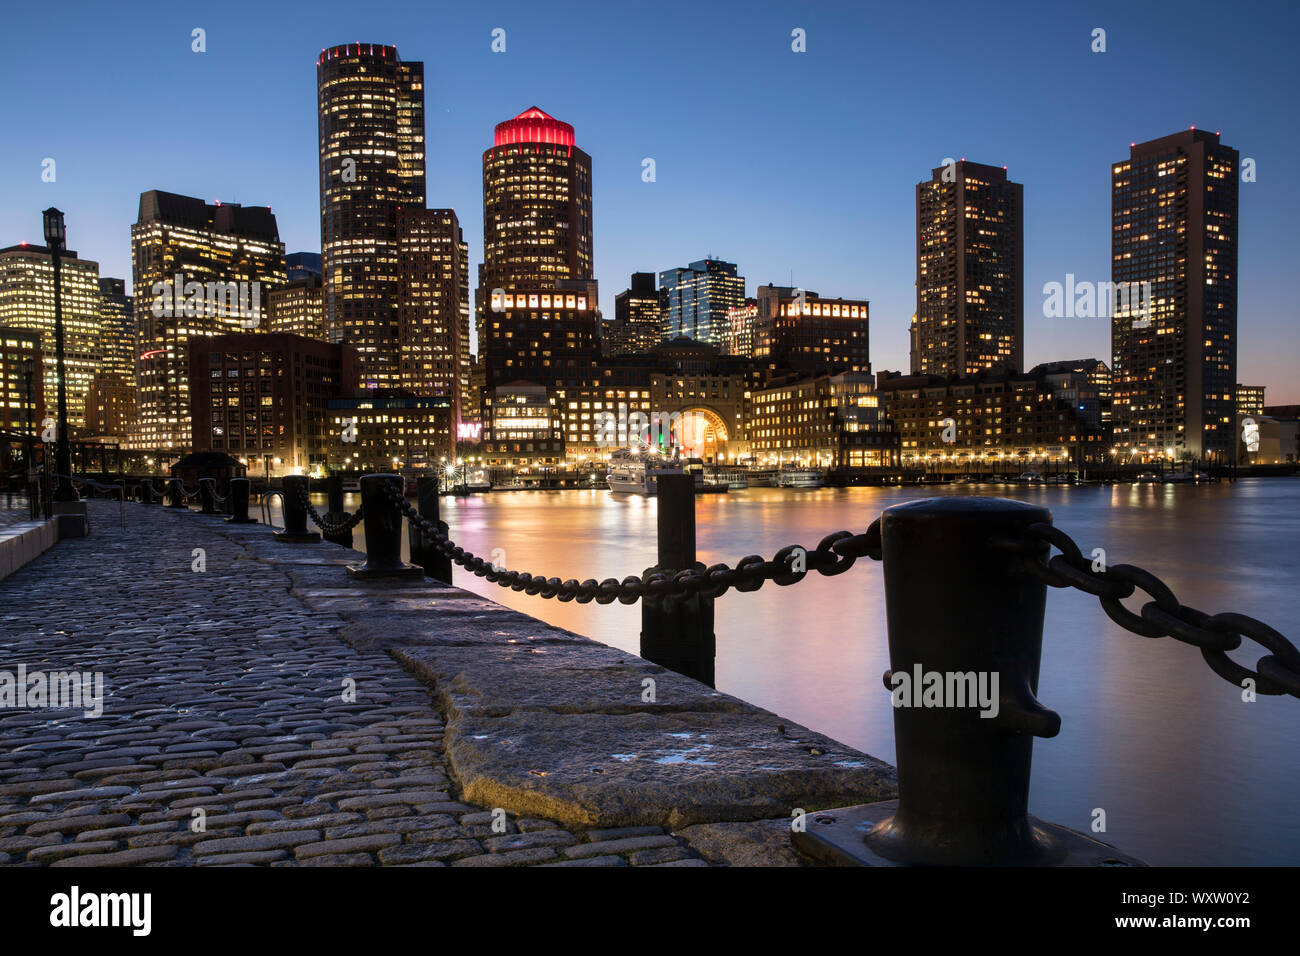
[[534, 126]]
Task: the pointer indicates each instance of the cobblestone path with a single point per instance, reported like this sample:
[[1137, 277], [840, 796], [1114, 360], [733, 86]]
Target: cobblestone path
[[228, 735]]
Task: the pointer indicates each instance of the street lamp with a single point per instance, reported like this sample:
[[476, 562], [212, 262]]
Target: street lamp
[[55, 235]]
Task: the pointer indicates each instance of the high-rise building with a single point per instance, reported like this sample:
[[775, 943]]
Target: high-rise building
[[541, 336], [371, 129], [969, 272], [27, 302], [22, 386], [694, 300], [198, 270], [433, 304], [1250, 399], [298, 307], [797, 329], [636, 325], [110, 402], [742, 322], [1174, 226], [302, 265], [1088, 381]]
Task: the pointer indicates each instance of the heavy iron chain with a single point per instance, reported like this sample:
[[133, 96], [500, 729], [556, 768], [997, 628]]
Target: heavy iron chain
[[326, 524], [188, 495], [835, 554], [216, 498], [1162, 616]]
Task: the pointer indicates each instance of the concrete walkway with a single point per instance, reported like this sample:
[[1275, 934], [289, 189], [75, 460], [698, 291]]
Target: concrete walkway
[[261, 707]]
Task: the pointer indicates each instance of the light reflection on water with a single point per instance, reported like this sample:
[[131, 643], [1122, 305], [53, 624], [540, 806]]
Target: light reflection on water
[[1186, 772]]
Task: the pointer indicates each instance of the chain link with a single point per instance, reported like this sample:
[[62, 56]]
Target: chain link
[[1162, 615], [326, 523]]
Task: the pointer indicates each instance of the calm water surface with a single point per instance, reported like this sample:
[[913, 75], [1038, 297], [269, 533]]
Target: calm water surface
[[1186, 772]]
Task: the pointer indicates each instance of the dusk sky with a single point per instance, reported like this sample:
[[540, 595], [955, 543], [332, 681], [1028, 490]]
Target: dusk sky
[[800, 167]]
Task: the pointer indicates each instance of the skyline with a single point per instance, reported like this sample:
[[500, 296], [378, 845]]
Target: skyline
[[843, 230]]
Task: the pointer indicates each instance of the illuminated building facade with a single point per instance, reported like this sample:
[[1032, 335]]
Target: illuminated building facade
[[522, 427], [22, 386], [742, 321], [799, 330], [390, 433], [27, 302], [298, 307], [541, 336], [695, 300], [636, 325], [1250, 399], [832, 421], [1086, 383], [1174, 225], [433, 305], [371, 139], [969, 272], [263, 398]]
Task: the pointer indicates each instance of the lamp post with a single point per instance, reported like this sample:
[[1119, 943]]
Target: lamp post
[[55, 234]]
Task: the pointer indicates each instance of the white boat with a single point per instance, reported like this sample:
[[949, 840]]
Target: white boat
[[634, 472], [476, 480], [794, 477], [1031, 478], [734, 480]]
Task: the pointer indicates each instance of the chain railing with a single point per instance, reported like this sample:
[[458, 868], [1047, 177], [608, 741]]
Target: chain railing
[[327, 524]]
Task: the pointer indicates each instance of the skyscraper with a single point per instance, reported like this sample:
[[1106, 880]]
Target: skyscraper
[[636, 316], [27, 302], [1174, 225], [110, 402], [371, 135], [969, 271], [433, 309], [694, 301], [187, 259]]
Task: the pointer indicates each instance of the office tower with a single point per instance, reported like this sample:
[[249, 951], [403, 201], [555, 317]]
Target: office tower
[[969, 271], [433, 304], [694, 300], [799, 330], [1089, 379], [371, 128], [27, 302], [1250, 399], [302, 265], [636, 325], [298, 307], [541, 336], [263, 398], [22, 385], [742, 321], [110, 401], [1174, 225], [198, 269]]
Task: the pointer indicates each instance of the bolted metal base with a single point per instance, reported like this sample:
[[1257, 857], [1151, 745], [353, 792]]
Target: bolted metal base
[[400, 570], [839, 838], [290, 537]]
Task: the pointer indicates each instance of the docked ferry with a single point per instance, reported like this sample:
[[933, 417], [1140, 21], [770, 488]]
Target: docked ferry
[[633, 472], [791, 476]]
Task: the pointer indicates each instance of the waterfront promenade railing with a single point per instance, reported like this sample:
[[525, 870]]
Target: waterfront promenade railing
[[965, 583]]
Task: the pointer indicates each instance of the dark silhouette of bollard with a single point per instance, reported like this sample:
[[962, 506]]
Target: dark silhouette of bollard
[[383, 524], [176, 495], [677, 632], [238, 498], [207, 496], [334, 488], [295, 515], [436, 564], [965, 638], [146, 492]]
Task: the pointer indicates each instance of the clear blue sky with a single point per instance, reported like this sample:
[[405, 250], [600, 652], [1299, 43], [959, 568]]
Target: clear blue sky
[[793, 165]]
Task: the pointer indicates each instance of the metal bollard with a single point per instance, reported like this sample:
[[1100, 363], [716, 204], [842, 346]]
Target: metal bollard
[[146, 492], [383, 524], [965, 637], [436, 564], [176, 495], [207, 496], [238, 497], [295, 515], [677, 632], [334, 487]]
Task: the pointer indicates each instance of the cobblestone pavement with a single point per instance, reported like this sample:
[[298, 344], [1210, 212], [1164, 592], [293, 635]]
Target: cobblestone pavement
[[225, 736]]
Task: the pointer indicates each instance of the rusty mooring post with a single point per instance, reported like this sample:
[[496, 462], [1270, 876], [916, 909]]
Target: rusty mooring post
[[436, 564], [383, 524], [965, 637], [239, 502], [677, 632]]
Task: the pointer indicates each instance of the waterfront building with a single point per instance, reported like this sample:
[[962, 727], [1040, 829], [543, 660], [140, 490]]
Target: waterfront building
[[522, 428], [831, 421], [969, 271], [371, 141], [1083, 382], [27, 302], [390, 432], [1174, 226], [198, 269], [695, 300], [1250, 399], [799, 331], [263, 398]]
